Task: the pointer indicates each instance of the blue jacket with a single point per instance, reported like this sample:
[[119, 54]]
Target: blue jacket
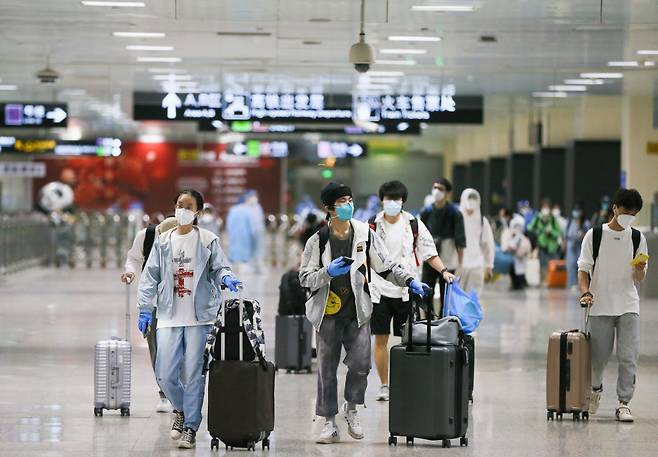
[[157, 279]]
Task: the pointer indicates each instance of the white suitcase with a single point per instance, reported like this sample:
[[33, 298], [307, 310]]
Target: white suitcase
[[533, 272], [112, 363]]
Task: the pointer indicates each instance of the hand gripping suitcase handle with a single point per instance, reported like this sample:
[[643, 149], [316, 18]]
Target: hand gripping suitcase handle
[[414, 303]]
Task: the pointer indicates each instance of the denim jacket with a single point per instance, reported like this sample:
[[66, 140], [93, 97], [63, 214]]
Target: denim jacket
[[157, 281]]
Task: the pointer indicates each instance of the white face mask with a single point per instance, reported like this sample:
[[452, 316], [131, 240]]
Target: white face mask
[[184, 216], [471, 204], [392, 207], [556, 212], [545, 212], [438, 195], [625, 220], [207, 218]]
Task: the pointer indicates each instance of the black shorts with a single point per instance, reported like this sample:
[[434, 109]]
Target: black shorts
[[387, 309]]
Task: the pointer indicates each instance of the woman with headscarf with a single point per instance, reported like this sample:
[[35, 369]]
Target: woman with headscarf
[[480, 249]]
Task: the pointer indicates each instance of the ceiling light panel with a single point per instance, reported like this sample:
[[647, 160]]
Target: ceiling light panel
[[403, 51], [624, 63], [549, 94], [172, 76], [568, 88], [8, 87], [139, 47], [602, 75], [408, 63], [587, 82], [139, 34], [114, 4], [415, 38], [444, 8], [648, 52], [158, 59]]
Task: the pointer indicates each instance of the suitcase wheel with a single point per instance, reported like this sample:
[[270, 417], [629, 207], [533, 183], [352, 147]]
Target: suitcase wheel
[[309, 370], [266, 444], [288, 371], [214, 444], [446, 443], [410, 441], [251, 446], [586, 416], [550, 415], [125, 412], [392, 440], [98, 412], [576, 417], [558, 416], [463, 442]]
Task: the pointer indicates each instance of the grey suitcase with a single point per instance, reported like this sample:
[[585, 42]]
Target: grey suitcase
[[293, 343], [112, 365], [429, 391]]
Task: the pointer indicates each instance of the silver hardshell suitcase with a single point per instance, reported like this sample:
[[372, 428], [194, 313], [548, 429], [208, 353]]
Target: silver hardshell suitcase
[[112, 371]]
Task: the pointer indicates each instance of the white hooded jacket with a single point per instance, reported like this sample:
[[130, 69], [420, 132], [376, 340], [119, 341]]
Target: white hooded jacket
[[480, 249]]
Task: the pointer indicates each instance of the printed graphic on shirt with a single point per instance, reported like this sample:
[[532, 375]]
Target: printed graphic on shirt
[[182, 274], [334, 304]]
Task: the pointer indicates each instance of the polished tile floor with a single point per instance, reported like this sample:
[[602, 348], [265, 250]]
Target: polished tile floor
[[50, 320]]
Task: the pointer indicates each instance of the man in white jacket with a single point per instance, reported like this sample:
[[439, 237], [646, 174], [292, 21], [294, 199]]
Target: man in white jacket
[[135, 261], [479, 253]]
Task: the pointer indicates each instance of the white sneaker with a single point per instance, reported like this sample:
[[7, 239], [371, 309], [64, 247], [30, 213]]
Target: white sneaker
[[329, 434], [623, 413], [353, 423], [382, 395], [595, 401], [164, 406]]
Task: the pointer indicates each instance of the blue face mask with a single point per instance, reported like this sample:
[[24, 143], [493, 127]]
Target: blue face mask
[[345, 211]]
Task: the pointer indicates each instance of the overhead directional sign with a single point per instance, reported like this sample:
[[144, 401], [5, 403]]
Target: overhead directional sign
[[20, 115], [172, 106]]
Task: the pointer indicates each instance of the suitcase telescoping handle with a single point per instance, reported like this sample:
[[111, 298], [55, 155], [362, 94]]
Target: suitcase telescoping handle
[[128, 311], [584, 327], [414, 303], [240, 320]]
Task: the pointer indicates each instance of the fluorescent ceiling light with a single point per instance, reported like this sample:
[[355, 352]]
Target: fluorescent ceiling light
[[649, 63], [403, 51], [414, 38], [166, 70], [602, 75], [159, 59], [409, 63], [8, 87], [587, 82], [624, 63], [444, 8], [385, 73], [172, 76], [139, 34], [139, 47], [568, 88], [382, 80], [648, 52], [549, 94], [115, 4]]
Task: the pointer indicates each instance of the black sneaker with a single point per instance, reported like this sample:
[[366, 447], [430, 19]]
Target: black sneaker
[[188, 441], [177, 427]]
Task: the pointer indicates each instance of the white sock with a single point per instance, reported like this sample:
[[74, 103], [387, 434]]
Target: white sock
[[331, 419], [351, 406]]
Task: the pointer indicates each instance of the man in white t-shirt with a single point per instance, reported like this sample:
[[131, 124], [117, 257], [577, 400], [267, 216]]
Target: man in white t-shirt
[[409, 244], [607, 257]]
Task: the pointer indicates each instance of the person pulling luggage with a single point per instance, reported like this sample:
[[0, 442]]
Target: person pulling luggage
[[135, 261], [336, 268], [409, 243], [184, 275]]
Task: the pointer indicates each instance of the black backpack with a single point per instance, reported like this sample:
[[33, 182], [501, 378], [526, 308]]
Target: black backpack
[[149, 238], [292, 296], [597, 235]]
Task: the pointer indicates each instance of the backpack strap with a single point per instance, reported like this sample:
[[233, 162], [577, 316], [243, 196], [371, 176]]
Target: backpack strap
[[370, 232], [414, 231], [637, 237], [372, 223], [597, 235], [323, 233], [149, 238]]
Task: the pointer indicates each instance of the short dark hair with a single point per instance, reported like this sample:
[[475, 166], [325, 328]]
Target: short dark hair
[[194, 194], [546, 202], [393, 190], [629, 199], [445, 183]]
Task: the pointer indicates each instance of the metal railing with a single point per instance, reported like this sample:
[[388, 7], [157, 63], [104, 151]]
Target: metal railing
[[25, 241]]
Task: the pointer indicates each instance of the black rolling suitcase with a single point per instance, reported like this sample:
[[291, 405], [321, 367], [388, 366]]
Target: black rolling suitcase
[[240, 386], [293, 343], [429, 390]]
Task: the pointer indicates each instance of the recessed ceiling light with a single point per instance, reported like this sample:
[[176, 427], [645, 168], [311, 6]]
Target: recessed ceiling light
[[139, 34], [403, 51], [166, 70], [385, 73], [602, 75], [408, 63], [624, 63], [114, 4], [549, 94], [159, 59], [414, 38], [649, 63], [382, 80], [172, 77], [444, 8], [567, 88], [8, 87], [648, 52], [587, 82], [140, 47]]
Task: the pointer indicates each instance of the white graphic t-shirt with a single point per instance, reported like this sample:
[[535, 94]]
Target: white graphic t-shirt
[[184, 249]]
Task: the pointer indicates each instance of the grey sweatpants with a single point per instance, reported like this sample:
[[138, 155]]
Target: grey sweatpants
[[334, 334], [626, 330]]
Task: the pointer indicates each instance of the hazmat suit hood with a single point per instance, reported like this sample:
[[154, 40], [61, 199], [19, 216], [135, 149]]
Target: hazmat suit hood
[[464, 203]]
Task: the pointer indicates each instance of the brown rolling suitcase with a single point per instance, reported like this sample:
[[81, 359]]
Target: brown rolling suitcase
[[569, 373]]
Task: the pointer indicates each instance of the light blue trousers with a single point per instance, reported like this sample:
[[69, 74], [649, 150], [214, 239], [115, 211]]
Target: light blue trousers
[[183, 346]]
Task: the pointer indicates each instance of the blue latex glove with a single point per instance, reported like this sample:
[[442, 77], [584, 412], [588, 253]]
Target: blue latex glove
[[145, 318], [338, 267], [418, 288], [231, 283]]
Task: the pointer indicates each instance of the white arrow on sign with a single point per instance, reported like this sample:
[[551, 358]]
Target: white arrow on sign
[[57, 115], [171, 102]]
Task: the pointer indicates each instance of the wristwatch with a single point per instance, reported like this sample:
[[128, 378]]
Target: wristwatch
[[442, 272]]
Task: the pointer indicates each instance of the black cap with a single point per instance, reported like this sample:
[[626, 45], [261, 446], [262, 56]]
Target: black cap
[[333, 191]]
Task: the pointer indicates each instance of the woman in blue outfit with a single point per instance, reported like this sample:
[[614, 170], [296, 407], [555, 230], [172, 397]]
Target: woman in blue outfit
[[576, 229], [184, 273]]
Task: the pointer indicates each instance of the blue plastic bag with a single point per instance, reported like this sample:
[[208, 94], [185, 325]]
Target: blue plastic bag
[[464, 306], [503, 261]]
